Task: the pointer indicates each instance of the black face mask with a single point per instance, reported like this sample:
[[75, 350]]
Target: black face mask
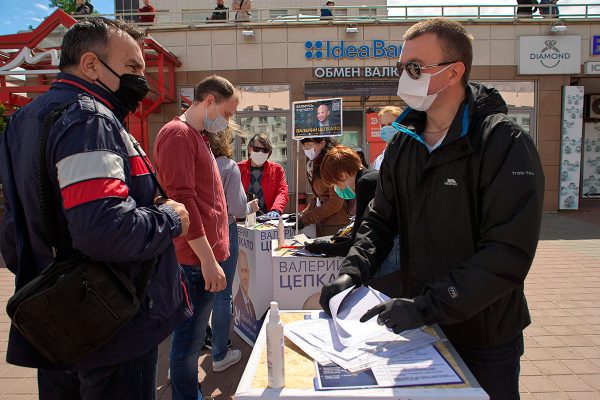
[[132, 88]]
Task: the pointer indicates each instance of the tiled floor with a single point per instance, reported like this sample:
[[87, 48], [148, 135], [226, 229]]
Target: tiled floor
[[562, 345]]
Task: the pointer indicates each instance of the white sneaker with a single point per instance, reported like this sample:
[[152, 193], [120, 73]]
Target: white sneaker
[[232, 357]]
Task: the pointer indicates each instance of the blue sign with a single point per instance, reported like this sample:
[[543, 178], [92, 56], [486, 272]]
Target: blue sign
[[325, 50], [596, 45]]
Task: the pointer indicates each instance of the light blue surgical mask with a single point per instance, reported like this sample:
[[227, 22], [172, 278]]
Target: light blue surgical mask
[[387, 133], [219, 124], [346, 193]]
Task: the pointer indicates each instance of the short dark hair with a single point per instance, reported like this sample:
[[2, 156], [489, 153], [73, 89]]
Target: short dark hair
[[456, 42], [92, 34], [216, 85], [263, 140]]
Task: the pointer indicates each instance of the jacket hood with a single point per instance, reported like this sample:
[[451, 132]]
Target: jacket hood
[[485, 101]]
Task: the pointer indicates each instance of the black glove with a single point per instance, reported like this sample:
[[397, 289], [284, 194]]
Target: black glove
[[291, 218], [301, 225], [397, 314], [338, 285], [318, 246]]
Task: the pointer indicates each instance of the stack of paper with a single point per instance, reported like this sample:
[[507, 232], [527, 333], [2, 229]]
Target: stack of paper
[[349, 343]]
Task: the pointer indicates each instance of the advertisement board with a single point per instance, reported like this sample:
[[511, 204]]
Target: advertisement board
[[317, 118], [252, 288], [549, 55], [570, 147]]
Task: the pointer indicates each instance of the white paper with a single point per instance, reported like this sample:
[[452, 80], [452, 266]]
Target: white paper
[[351, 344], [425, 366], [346, 309]]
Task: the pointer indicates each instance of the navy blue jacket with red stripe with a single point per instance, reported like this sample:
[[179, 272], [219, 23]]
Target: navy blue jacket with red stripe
[[107, 212]]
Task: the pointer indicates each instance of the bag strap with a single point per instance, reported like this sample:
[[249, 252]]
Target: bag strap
[[48, 205]]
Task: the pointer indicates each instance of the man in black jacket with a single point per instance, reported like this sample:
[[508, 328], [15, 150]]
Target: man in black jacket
[[463, 187]]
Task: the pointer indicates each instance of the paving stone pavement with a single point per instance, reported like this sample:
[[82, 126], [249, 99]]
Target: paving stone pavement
[[562, 345]]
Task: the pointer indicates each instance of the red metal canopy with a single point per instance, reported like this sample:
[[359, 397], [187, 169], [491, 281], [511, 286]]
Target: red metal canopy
[[29, 61]]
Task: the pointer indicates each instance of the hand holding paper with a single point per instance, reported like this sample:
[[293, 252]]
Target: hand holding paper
[[397, 314], [334, 287]]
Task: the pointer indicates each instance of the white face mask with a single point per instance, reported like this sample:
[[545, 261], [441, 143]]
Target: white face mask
[[311, 154], [414, 91], [219, 124], [258, 157]]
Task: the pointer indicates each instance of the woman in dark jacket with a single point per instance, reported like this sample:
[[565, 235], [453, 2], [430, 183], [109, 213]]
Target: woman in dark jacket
[[342, 170], [327, 210]]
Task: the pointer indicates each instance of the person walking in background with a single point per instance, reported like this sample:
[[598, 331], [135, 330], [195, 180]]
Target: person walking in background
[[526, 8], [243, 8], [84, 7], [106, 210], [148, 8], [326, 12], [221, 145], [189, 172], [548, 8], [326, 209], [263, 178], [220, 13]]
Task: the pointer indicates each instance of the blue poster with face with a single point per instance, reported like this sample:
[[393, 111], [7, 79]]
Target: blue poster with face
[[317, 118]]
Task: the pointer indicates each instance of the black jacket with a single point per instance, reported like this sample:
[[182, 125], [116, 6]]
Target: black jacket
[[468, 216]]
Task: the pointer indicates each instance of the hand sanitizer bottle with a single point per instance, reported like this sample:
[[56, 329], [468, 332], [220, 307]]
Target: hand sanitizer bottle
[[250, 218], [280, 232], [275, 360]]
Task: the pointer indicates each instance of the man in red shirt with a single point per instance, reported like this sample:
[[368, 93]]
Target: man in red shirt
[[188, 171], [148, 8]]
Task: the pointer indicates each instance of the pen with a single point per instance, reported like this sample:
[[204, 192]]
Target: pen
[[290, 247]]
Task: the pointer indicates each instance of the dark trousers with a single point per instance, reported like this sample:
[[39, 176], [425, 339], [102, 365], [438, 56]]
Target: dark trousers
[[131, 380], [496, 368]]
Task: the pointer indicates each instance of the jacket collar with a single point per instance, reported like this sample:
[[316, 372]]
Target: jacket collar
[[68, 81], [456, 144]]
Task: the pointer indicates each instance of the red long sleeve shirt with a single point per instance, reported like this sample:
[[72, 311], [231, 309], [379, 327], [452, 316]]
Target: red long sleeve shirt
[[189, 173]]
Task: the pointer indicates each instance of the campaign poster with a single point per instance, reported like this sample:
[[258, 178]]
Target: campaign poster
[[298, 280], [317, 118], [252, 288]]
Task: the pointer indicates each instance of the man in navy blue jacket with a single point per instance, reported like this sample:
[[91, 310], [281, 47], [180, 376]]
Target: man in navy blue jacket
[[106, 207]]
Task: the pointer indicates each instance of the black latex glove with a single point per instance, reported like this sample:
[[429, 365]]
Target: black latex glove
[[338, 285], [291, 218], [397, 314], [319, 246]]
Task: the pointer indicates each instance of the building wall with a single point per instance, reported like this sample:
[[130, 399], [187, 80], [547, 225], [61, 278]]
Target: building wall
[[276, 55]]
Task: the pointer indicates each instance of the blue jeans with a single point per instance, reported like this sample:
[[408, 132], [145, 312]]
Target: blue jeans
[[130, 380], [222, 312], [392, 262], [188, 339], [496, 368]]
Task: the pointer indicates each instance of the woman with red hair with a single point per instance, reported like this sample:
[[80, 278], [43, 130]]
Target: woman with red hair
[[342, 168]]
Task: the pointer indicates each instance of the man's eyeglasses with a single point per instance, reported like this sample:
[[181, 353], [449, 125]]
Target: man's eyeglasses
[[414, 69], [260, 149]]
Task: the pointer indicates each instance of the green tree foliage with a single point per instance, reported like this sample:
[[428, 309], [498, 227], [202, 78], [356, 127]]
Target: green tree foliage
[[67, 6]]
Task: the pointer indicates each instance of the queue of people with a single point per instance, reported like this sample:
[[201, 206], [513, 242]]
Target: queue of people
[[466, 243]]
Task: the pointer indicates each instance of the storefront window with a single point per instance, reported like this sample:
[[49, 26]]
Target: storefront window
[[265, 109], [520, 98]]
